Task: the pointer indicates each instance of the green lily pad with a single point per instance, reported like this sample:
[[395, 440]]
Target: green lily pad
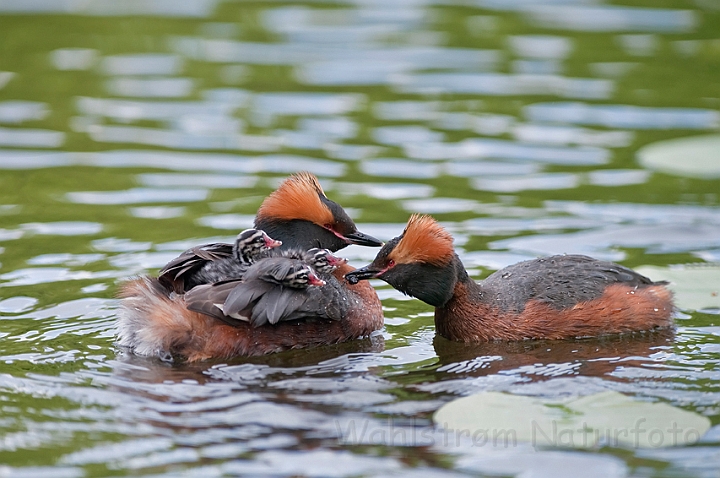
[[696, 156], [695, 286], [606, 418]]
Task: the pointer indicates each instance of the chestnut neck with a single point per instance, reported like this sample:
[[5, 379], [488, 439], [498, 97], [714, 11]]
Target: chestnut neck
[[463, 286], [460, 316]]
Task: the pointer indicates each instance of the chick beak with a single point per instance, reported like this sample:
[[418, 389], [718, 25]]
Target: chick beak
[[271, 243], [336, 261], [315, 280]]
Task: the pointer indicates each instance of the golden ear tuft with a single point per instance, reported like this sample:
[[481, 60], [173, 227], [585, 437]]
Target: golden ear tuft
[[298, 197], [424, 240], [307, 180]]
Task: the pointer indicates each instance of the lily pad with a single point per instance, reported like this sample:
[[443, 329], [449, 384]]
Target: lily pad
[[696, 156], [695, 287], [606, 418]]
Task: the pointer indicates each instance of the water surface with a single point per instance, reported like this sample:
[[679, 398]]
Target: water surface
[[130, 131]]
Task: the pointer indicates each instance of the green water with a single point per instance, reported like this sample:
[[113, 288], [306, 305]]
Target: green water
[[131, 131]]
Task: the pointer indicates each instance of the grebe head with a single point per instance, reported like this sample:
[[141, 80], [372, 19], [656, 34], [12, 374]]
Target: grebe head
[[419, 263], [251, 244], [285, 271], [302, 278], [324, 261], [300, 214]]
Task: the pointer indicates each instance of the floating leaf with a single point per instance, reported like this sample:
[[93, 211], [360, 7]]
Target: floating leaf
[[696, 156], [695, 286], [606, 418]]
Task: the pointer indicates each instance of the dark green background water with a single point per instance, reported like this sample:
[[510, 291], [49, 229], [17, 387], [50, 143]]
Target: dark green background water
[[130, 131]]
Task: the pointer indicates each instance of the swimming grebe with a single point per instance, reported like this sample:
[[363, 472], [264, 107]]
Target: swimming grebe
[[154, 320], [556, 297]]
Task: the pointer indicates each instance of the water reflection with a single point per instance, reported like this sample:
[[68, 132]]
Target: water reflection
[[508, 226], [28, 137], [662, 238], [640, 213], [150, 88], [65, 259], [212, 181], [174, 161], [407, 110], [69, 59], [160, 212], [536, 133], [553, 181], [327, 64], [126, 110], [476, 148], [147, 64], [64, 228], [484, 112], [191, 8], [540, 46], [400, 168], [698, 460], [439, 205], [498, 84], [5, 77], [542, 360], [399, 135], [386, 191], [624, 116], [618, 177], [20, 111], [553, 463], [137, 195], [16, 305], [491, 168], [295, 104], [361, 25], [611, 18], [235, 222]]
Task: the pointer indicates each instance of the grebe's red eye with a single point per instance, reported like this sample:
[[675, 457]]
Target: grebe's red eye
[[390, 263], [328, 226]]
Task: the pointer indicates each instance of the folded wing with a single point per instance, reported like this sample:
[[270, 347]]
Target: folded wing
[[177, 275]]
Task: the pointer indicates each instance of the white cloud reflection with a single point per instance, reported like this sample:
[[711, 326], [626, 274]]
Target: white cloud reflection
[[110, 8]]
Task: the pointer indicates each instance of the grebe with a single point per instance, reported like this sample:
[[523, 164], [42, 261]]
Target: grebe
[[563, 296], [154, 318]]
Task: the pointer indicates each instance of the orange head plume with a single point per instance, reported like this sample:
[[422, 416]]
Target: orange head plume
[[424, 240], [298, 197]]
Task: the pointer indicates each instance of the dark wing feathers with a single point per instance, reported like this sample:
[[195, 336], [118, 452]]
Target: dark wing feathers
[[261, 302], [189, 268], [277, 305], [213, 252], [273, 269], [243, 296], [269, 307], [209, 298], [258, 297], [198, 254], [177, 274], [565, 281]]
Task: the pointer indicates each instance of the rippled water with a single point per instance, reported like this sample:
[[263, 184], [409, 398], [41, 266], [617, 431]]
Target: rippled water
[[132, 130]]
